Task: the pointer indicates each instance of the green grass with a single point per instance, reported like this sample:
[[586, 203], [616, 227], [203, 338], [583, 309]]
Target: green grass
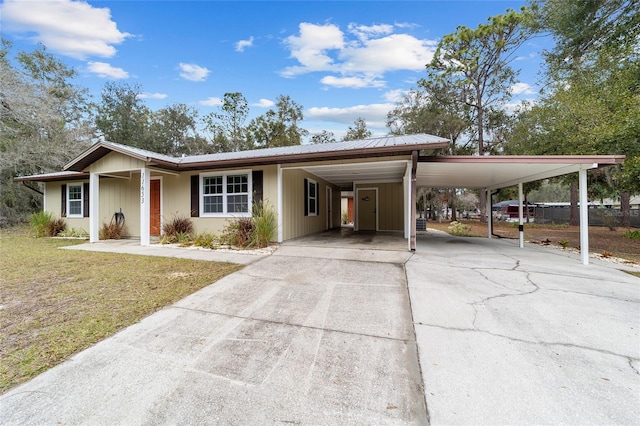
[[54, 303]]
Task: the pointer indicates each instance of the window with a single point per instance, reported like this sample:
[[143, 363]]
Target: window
[[226, 194], [74, 200], [311, 197]]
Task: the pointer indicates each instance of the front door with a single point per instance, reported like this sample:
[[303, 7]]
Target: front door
[[367, 205], [154, 207]]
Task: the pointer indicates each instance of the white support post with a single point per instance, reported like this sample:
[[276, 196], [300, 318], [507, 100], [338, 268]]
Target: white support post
[[145, 194], [94, 207], [584, 217], [489, 210], [280, 203], [520, 215]]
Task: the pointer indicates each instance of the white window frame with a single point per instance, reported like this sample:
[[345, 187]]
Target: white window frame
[[81, 200], [312, 183], [224, 175]]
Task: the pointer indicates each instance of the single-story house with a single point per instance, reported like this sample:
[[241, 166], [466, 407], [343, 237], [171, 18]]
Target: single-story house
[[303, 183]]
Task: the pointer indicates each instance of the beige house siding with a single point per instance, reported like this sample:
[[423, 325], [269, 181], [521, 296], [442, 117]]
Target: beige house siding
[[116, 162], [176, 197], [121, 194], [295, 223], [390, 205], [53, 205]]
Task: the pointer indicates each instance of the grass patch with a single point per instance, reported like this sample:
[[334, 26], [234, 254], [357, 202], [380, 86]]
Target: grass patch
[[54, 303]]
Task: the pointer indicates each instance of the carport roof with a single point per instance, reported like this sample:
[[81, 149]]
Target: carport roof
[[493, 172]]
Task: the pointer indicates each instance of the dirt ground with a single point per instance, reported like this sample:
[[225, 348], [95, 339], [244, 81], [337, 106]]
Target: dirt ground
[[601, 239]]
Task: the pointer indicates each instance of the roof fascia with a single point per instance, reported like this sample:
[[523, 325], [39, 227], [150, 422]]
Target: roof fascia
[[602, 160], [572, 168]]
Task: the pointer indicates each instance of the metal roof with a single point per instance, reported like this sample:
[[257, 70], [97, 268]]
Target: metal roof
[[501, 171], [387, 145], [50, 177]]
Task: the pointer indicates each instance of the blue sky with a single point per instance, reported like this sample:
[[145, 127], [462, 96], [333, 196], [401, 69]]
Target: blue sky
[[339, 60]]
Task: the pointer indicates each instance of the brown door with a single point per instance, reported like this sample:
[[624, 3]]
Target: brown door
[[367, 209], [154, 208]]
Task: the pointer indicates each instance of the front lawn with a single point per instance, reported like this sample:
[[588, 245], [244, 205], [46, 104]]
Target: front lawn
[[54, 303]]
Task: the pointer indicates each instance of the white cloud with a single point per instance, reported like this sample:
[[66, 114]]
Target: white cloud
[[374, 114], [243, 44], [212, 101], [152, 95], [363, 32], [71, 28], [104, 70], [522, 88], [522, 105], [193, 72], [311, 46], [352, 82], [365, 58], [263, 103], [395, 95]]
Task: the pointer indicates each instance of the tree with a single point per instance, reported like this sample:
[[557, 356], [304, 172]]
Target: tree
[[359, 131], [323, 137], [279, 127], [172, 131], [593, 88], [122, 116], [475, 64], [227, 126], [45, 121]]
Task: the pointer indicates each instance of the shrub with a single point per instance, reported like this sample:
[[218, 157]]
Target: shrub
[[184, 239], [38, 223], [238, 232], [55, 226], [609, 219], [564, 243], [177, 225], [205, 239], [112, 231], [633, 235], [459, 229], [74, 233], [265, 224]]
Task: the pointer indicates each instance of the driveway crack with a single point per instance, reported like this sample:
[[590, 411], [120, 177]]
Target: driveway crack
[[542, 343]]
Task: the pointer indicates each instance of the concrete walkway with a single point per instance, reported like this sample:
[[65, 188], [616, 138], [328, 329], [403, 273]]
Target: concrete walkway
[[323, 332]]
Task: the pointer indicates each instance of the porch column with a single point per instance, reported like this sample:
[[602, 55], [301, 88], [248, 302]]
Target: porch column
[[412, 204], [520, 214], [145, 194], [94, 207], [584, 216], [279, 202]]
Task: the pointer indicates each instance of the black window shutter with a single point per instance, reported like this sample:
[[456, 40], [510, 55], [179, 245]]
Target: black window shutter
[[195, 196], [85, 199], [317, 198], [306, 197], [256, 181], [63, 197]]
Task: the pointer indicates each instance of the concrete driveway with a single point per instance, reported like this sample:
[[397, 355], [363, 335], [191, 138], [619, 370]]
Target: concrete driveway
[[326, 333], [524, 336]]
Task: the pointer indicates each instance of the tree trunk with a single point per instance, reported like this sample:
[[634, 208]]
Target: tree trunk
[[483, 206], [574, 217], [625, 210]]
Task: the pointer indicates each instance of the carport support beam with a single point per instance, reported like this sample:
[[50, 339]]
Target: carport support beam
[[584, 216], [520, 215], [489, 210], [412, 204]]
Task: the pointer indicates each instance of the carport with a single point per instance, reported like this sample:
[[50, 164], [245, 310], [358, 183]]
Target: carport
[[487, 173], [490, 173]]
